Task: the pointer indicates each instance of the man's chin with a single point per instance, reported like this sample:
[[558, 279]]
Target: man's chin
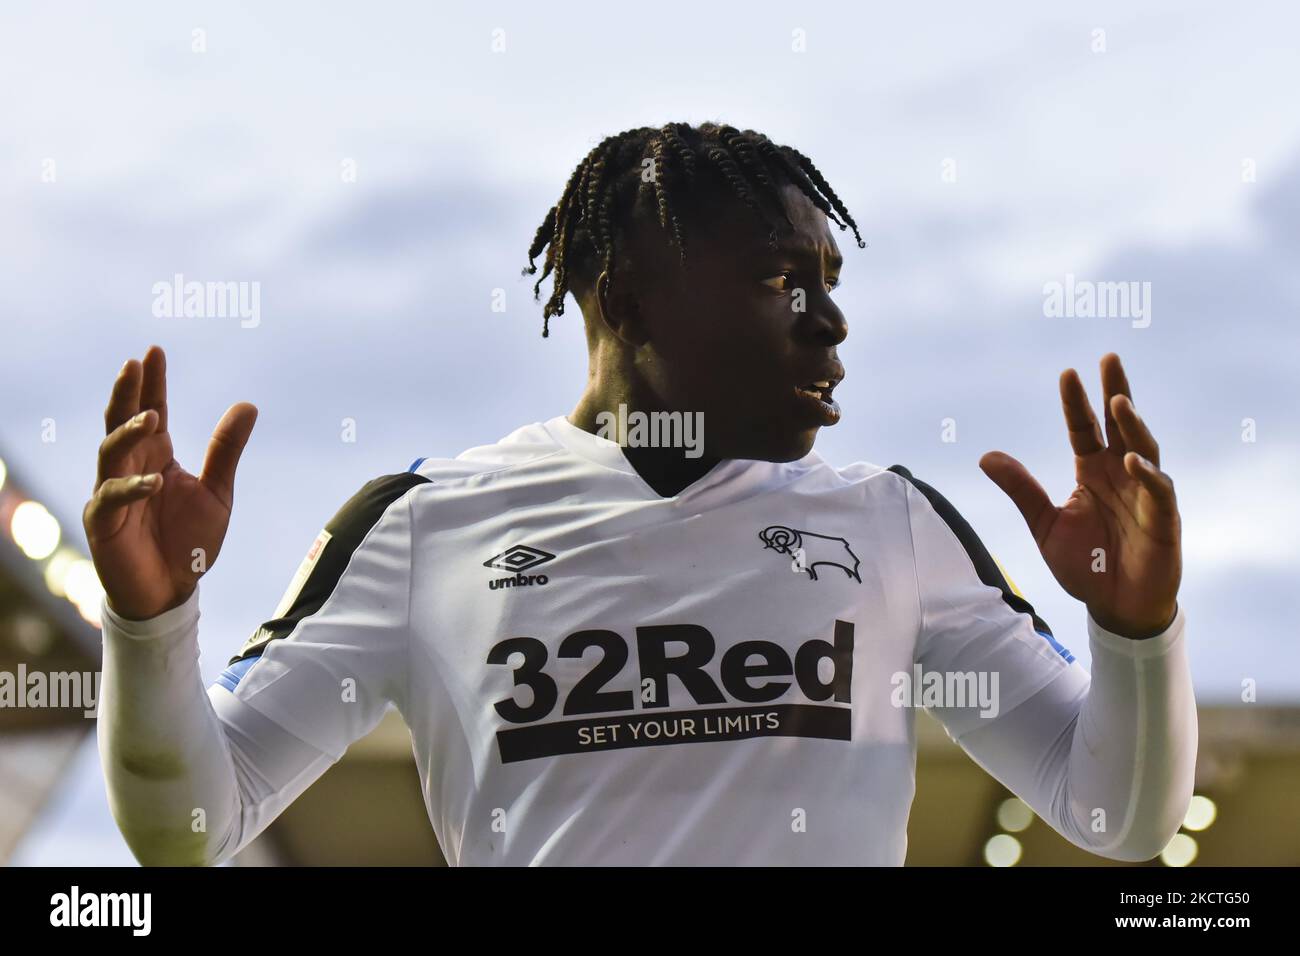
[[802, 445]]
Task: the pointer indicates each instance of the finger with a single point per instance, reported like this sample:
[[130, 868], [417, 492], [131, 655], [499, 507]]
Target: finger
[[1137, 437], [1023, 490], [107, 508], [153, 389], [1113, 382], [125, 398], [1160, 505], [115, 450], [225, 447], [1085, 433]]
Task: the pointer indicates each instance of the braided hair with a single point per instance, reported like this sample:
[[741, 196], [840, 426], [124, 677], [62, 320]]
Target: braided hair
[[664, 173]]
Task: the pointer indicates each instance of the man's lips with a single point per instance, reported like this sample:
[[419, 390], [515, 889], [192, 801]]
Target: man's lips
[[817, 405], [815, 395], [820, 390], [821, 384]]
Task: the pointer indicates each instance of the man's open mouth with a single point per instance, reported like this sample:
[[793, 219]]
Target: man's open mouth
[[819, 390]]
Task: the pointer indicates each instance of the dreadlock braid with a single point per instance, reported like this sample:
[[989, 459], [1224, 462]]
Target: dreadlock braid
[[569, 203], [600, 197], [670, 137], [554, 225], [673, 135], [799, 177], [544, 232], [819, 180], [605, 194], [730, 169], [739, 144], [659, 152]]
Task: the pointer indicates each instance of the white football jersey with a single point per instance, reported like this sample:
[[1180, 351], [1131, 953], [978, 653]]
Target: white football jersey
[[593, 673]]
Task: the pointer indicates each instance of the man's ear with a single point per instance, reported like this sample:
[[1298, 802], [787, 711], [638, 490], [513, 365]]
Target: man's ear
[[620, 308]]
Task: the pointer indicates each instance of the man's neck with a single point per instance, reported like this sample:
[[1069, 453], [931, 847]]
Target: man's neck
[[668, 470]]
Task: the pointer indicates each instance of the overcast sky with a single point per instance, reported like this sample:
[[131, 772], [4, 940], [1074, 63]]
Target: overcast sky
[[1163, 149]]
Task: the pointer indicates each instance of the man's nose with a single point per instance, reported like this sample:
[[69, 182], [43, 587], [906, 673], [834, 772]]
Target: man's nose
[[825, 323]]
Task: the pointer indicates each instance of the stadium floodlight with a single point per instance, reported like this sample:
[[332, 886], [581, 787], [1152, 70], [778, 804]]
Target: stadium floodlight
[[1180, 851], [1014, 815], [1201, 812], [84, 589], [34, 530], [1002, 850], [56, 570]]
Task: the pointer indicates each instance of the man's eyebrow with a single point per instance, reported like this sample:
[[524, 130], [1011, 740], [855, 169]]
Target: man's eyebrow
[[802, 251]]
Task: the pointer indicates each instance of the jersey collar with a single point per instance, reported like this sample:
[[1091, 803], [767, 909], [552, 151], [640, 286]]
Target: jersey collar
[[609, 454]]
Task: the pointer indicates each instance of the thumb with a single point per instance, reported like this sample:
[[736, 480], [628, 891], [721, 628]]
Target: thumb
[[1023, 489]]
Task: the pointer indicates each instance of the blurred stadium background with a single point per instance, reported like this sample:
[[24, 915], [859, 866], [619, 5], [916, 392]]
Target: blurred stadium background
[[380, 173]]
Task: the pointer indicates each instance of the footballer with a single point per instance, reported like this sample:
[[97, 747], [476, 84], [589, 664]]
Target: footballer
[[612, 651]]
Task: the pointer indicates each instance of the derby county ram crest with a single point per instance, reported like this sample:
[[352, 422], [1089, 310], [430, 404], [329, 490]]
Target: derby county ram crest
[[810, 550]]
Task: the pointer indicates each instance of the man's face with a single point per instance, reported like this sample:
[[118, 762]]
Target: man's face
[[741, 333]]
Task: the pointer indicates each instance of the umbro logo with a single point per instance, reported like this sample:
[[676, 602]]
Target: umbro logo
[[810, 550], [518, 558]]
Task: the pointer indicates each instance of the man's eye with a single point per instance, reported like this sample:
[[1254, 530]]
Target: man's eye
[[785, 279]]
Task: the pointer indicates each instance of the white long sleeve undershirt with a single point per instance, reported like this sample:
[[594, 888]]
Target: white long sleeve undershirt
[[1110, 765], [168, 751]]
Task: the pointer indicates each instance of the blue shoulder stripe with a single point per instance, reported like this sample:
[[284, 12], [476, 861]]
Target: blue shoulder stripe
[[1057, 646], [233, 674], [415, 464]]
